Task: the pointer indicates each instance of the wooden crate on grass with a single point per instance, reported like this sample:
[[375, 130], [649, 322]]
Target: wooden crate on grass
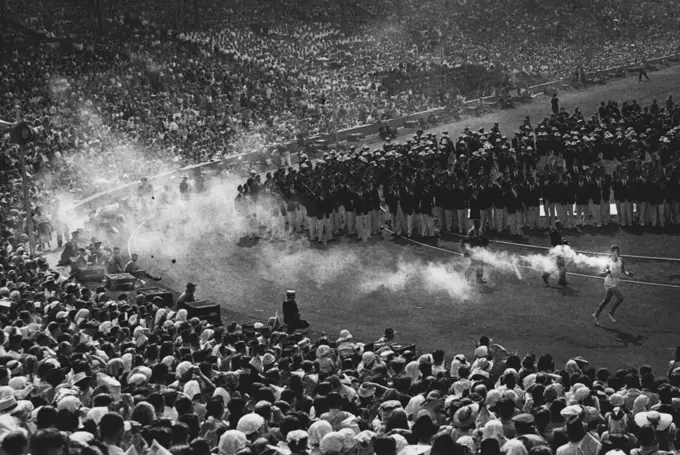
[[120, 282], [90, 273], [151, 293], [204, 309]]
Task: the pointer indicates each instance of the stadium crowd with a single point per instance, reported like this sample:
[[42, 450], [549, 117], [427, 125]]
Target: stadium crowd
[[155, 84], [92, 372], [89, 371], [575, 166]]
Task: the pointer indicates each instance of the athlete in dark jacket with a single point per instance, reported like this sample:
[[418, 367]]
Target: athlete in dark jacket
[[556, 239]]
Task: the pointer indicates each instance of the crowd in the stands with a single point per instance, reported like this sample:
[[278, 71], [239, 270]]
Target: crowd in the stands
[[91, 371], [136, 88], [168, 82]]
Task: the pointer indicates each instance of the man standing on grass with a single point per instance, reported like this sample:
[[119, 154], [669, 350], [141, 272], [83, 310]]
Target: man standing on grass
[[474, 239], [291, 313], [623, 200], [582, 201], [555, 104], [555, 241], [643, 71]]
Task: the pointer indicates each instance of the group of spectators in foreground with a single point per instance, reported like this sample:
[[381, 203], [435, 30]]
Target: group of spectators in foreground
[[576, 167], [89, 371]]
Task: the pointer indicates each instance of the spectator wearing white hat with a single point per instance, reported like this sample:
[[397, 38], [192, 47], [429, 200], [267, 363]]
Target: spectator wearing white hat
[[649, 443], [232, 442], [665, 430], [252, 425], [317, 431]]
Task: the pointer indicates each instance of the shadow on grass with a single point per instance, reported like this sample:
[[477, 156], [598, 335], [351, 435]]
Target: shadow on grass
[[245, 242], [568, 291], [626, 339], [486, 289]]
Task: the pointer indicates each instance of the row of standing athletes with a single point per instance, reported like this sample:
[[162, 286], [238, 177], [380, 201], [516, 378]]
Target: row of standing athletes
[[279, 223]]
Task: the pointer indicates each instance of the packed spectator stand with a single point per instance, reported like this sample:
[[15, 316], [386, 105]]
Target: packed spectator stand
[[97, 372], [92, 372], [268, 80]]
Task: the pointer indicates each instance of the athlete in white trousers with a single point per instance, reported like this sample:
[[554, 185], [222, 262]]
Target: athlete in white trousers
[[612, 274]]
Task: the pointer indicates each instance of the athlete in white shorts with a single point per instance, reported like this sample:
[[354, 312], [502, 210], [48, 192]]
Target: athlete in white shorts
[[612, 273]]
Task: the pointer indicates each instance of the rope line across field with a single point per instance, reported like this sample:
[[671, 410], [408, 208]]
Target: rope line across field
[[583, 275]]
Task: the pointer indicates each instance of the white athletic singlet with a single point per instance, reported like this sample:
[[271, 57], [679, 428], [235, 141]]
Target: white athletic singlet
[[612, 280]]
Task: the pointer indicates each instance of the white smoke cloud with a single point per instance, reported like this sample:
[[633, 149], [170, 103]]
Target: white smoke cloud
[[544, 263], [434, 278], [208, 224]]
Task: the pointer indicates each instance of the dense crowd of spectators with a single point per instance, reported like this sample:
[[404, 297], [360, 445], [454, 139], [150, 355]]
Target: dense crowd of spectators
[[93, 372], [98, 373], [169, 82]]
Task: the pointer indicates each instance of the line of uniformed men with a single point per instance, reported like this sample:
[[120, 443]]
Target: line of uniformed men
[[576, 199]]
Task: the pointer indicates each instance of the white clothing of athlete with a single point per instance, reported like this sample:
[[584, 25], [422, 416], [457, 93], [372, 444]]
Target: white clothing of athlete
[[612, 275], [615, 267]]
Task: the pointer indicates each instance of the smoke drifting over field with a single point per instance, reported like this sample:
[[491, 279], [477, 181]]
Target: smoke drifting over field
[[208, 225], [171, 238]]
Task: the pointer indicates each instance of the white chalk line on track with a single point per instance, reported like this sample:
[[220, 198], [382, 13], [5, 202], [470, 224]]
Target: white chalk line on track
[[538, 247], [129, 243], [590, 253], [444, 250]]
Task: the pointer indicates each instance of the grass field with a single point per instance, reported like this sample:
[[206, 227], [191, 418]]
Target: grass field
[[421, 295]]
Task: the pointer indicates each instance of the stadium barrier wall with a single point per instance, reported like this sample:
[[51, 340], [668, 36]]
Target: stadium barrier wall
[[115, 194]]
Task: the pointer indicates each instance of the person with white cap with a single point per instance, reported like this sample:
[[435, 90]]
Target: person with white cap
[[252, 425], [317, 431], [297, 441], [665, 430], [649, 443], [232, 442]]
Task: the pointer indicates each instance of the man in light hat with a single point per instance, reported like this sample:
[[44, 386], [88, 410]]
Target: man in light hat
[[291, 313], [526, 433], [252, 425]]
